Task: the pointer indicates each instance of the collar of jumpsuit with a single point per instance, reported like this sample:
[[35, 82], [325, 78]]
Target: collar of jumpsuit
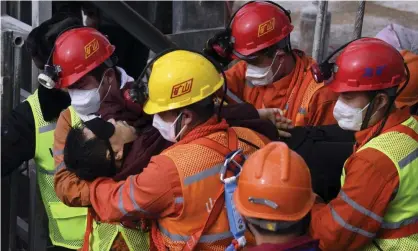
[[396, 118]]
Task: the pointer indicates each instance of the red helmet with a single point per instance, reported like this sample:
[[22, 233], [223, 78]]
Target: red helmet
[[258, 25], [367, 64], [77, 52]]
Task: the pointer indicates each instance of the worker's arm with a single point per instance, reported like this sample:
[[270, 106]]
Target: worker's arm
[[235, 77], [17, 138], [353, 219], [151, 194], [321, 108], [70, 190]]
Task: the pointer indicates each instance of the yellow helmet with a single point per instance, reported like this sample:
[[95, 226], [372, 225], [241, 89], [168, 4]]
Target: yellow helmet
[[180, 78]]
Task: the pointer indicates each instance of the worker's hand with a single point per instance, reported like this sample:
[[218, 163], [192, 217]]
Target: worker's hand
[[123, 134], [275, 115]]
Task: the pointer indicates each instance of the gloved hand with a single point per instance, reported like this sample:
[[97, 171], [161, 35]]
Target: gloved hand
[[219, 47]]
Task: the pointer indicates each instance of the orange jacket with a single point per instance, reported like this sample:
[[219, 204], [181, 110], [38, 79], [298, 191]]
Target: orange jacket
[[409, 95], [305, 101], [371, 179], [177, 189]]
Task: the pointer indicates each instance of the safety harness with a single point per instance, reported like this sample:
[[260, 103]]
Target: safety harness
[[236, 222], [234, 160]]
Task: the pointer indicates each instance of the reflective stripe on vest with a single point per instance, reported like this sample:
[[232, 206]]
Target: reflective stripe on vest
[[403, 209], [104, 234], [66, 224], [200, 185], [304, 106]]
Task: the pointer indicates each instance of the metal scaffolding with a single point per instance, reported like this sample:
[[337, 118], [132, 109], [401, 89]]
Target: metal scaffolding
[[318, 48], [358, 23]]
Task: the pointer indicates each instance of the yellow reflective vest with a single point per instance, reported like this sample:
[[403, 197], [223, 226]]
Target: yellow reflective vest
[[66, 224], [402, 149]]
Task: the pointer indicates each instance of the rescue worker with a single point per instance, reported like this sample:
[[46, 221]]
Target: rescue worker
[[275, 196], [180, 187], [87, 70], [376, 208], [27, 133], [271, 74]]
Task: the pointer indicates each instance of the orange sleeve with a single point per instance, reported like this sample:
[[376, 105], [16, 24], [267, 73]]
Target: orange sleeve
[[352, 220], [322, 107], [150, 194], [235, 77], [70, 190]]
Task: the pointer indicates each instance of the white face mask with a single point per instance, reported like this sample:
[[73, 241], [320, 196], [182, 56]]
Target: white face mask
[[349, 118], [167, 129], [261, 76], [86, 102]]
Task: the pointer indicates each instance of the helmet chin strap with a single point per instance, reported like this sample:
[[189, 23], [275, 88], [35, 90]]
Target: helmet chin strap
[[178, 129]]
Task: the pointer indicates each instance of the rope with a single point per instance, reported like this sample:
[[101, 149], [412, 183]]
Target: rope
[[358, 25], [319, 27]]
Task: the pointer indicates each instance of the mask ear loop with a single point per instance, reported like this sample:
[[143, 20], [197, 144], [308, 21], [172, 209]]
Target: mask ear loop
[[101, 82]]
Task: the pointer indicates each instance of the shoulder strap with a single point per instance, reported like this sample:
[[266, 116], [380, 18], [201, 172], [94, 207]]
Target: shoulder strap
[[218, 147], [219, 202]]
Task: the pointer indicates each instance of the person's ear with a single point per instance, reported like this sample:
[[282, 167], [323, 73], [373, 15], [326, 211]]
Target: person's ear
[[188, 117], [110, 74], [381, 101]]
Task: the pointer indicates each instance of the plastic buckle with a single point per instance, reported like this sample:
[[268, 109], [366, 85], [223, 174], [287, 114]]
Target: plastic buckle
[[228, 160]]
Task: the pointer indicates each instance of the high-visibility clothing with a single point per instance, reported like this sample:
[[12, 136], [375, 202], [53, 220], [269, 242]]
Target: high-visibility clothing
[[304, 101], [401, 145], [199, 190], [376, 205], [66, 224], [104, 234], [178, 188]]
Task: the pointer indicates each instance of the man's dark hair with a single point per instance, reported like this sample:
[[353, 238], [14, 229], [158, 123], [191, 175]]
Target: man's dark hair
[[87, 157], [204, 109]]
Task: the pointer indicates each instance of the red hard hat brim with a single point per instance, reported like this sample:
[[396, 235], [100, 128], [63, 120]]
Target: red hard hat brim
[[340, 87]]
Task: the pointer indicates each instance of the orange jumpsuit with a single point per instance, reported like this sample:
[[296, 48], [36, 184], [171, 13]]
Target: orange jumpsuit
[[304, 101], [371, 179]]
